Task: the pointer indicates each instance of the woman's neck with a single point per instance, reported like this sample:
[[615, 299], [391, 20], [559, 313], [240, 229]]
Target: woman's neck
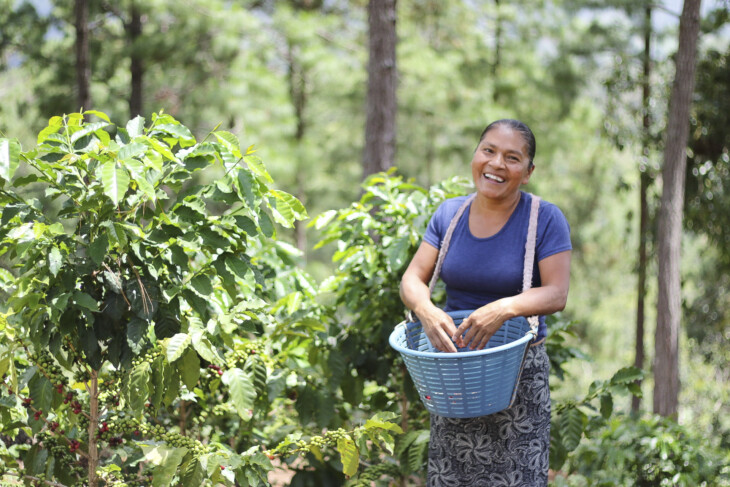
[[487, 206]]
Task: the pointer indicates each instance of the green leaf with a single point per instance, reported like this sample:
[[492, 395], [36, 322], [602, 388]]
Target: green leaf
[[417, 455], [136, 333], [606, 405], [136, 390], [202, 285], [55, 261], [137, 170], [267, 227], [35, 461], [242, 392], [167, 460], [237, 266], [115, 180], [571, 427], [134, 149], [178, 130], [41, 391], [230, 141], [378, 421], [135, 127], [627, 374], [349, 454], [98, 248], [83, 300], [87, 129], [248, 187], [99, 114], [294, 204], [246, 224], [201, 343], [192, 473], [189, 368], [9, 158], [254, 163], [397, 253], [176, 346]]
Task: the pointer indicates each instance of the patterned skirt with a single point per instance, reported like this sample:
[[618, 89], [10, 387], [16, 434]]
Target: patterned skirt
[[505, 449]]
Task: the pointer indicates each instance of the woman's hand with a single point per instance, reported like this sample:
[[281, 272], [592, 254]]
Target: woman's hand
[[480, 326], [439, 328]]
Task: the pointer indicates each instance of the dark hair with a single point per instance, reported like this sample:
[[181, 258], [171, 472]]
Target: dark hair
[[520, 127]]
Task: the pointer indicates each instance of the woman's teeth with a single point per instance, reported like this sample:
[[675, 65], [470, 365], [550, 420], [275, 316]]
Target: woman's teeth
[[493, 177]]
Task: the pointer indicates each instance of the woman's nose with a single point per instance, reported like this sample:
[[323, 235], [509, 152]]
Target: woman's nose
[[496, 160]]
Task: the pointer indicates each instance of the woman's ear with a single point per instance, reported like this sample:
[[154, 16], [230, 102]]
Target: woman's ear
[[526, 179]]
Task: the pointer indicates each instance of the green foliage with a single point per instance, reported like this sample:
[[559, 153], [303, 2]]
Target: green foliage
[[647, 451], [575, 419], [142, 316], [375, 239]]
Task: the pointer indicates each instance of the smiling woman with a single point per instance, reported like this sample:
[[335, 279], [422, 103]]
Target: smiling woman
[[483, 270]]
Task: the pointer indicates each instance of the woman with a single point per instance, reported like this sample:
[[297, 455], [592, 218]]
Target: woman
[[483, 271]]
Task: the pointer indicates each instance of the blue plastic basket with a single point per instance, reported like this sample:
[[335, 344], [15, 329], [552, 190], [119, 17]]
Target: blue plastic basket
[[469, 383]]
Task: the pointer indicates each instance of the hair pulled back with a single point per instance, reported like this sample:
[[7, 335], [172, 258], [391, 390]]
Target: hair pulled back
[[517, 126]]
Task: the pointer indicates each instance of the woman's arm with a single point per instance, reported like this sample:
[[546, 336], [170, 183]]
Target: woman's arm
[[549, 298], [414, 292]]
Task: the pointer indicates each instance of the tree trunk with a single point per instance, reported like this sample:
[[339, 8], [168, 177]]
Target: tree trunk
[[497, 53], [379, 150], [298, 94], [83, 67], [93, 429], [645, 181], [669, 305], [134, 31]]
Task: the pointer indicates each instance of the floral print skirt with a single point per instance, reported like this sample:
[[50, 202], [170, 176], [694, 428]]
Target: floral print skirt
[[505, 449]]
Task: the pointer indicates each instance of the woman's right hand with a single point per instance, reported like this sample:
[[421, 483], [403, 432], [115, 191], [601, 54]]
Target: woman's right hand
[[438, 326]]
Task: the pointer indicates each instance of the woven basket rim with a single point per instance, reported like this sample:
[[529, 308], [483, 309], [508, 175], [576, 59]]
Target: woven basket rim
[[401, 328]]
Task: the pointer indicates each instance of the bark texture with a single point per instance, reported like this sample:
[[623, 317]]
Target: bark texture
[[379, 150], [83, 65], [134, 31], [669, 303], [645, 181]]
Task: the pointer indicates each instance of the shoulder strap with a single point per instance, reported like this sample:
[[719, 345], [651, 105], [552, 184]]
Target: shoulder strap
[[530, 245], [447, 240]]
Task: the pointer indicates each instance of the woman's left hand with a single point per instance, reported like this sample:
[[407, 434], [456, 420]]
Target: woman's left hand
[[480, 326]]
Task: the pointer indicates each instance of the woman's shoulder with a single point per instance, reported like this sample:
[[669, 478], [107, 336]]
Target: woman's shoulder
[[446, 211], [546, 207]]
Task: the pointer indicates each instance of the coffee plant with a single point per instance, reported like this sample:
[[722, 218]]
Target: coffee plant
[[154, 330]]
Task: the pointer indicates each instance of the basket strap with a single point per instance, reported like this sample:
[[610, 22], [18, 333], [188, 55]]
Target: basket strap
[[410, 316], [446, 241], [530, 245]]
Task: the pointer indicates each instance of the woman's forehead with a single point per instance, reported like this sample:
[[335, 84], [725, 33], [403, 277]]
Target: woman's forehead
[[505, 138]]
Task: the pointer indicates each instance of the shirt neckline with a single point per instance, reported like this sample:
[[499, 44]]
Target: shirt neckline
[[523, 197]]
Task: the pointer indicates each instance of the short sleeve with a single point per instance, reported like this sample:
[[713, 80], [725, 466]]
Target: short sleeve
[[435, 231], [553, 234], [439, 223]]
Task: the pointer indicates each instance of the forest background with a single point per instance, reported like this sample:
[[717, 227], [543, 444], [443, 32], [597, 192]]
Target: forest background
[[290, 78]]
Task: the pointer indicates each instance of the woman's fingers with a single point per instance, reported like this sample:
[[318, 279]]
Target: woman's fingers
[[473, 334], [440, 334]]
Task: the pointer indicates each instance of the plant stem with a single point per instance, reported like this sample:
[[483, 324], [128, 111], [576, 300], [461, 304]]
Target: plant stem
[[93, 427]]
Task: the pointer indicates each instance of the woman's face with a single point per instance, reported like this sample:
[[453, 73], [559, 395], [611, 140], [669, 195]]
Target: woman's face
[[501, 163]]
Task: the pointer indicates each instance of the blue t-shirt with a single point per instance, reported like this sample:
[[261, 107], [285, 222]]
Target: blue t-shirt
[[477, 271]]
